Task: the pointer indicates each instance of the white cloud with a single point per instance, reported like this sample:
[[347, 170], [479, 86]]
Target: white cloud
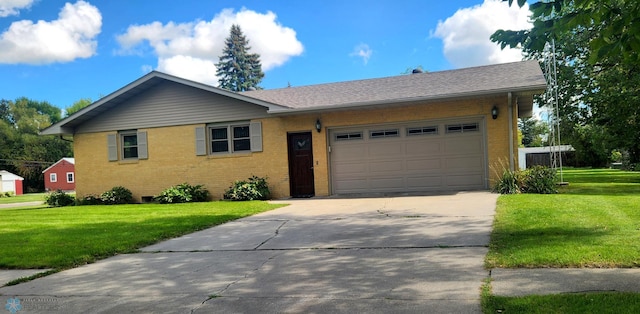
[[362, 51], [191, 50], [12, 7], [71, 36], [465, 35]]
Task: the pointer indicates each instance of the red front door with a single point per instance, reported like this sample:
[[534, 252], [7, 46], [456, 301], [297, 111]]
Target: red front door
[[300, 164]]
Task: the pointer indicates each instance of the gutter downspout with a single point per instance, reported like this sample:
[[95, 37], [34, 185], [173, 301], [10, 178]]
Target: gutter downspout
[[510, 106]]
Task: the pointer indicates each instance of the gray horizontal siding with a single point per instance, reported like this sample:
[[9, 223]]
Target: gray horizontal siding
[[169, 104]]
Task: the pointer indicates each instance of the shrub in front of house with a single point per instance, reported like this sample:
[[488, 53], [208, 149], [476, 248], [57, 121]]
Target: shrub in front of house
[[90, 199], [59, 199], [539, 180], [183, 193], [535, 180], [255, 188], [117, 195]]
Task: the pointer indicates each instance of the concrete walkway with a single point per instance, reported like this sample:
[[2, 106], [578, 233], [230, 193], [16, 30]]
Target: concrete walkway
[[420, 254], [414, 254], [21, 204]]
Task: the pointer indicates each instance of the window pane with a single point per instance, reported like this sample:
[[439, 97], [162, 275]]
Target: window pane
[[349, 136], [240, 131], [383, 133], [240, 145], [219, 146], [130, 152], [219, 134], [129, 140]]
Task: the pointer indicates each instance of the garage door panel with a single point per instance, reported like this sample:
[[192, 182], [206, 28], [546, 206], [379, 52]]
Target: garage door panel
[[463, 145], [423, 147], [382, 149], [352, 186], [469, 163], [385, 166], [464, 180], [424, 182], [350, 168], [387, 183], [349, 152], [424, 164], [417, 162]]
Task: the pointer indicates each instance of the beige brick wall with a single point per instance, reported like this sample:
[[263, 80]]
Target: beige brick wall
[[172, 158]]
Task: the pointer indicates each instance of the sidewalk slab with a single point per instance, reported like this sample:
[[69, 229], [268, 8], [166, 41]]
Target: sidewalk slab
[[8, 275], [520, 282]]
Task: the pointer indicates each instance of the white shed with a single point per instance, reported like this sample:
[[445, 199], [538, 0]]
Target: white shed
[[10, 182], [524, 151]]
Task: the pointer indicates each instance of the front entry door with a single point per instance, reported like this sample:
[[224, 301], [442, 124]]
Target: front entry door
[[300, 164]]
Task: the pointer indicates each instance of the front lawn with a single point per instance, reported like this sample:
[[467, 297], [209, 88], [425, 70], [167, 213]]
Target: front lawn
[[592, 222], [601, 303], [30, 197], [70, 236]]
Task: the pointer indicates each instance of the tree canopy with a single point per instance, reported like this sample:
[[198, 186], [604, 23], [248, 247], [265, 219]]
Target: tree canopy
[[238, 70], [598, 71], [76, 106], [22, 150]]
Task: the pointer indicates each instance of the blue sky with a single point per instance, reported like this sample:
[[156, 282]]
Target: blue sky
[[62, 51]]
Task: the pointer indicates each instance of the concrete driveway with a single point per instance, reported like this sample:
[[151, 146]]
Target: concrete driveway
[[412, 254]]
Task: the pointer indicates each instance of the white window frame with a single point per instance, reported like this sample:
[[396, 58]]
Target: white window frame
[[53, 177], [73, 177], [230, 138]]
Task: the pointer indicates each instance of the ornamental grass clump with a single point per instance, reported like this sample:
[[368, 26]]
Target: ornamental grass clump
[[535, 180]]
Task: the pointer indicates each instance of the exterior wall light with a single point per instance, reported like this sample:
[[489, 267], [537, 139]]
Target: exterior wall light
[[494, 112], [318, 125]]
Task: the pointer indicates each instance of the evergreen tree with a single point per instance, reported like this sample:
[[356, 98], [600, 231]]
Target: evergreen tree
[[238, 70]]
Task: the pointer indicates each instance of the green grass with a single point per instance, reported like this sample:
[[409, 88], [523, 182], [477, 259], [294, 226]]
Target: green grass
[[31, 197], [65, 237], [592, 222], [580, 303]]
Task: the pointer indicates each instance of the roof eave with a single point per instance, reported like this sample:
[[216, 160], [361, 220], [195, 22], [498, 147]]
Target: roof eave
[[66, 125], [536, 89]]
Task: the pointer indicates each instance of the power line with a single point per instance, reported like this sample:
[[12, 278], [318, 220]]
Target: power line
[[27, 161]]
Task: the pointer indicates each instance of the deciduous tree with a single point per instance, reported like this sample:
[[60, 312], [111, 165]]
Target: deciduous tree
[[597, 45]]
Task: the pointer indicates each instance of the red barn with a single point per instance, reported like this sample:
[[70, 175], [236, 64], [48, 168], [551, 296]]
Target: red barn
[[60, 176]]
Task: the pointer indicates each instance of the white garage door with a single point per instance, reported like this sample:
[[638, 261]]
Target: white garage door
[[419, 156]]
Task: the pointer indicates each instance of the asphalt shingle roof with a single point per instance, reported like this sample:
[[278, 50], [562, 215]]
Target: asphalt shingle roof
[[525, 76]]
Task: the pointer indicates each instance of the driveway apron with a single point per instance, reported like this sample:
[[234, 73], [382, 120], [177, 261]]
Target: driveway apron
[[410, 254]]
